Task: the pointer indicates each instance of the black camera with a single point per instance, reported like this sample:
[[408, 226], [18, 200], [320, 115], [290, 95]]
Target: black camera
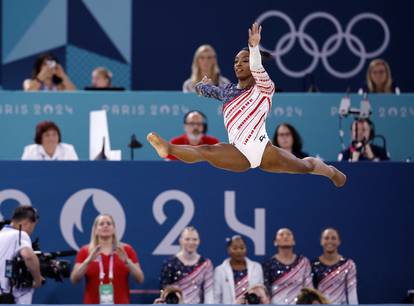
[[252, 298], [172, 298], [50, 267]]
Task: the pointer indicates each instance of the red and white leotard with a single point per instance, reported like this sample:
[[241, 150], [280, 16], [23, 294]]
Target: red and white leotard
[[245, 110]]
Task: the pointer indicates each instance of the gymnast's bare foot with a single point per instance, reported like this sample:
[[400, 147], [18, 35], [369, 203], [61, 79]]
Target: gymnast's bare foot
[[338, 178], [159, 144]]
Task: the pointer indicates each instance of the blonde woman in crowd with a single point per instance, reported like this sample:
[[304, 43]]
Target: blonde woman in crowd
[[204, 64], [189, 271], [379, 79], [106, 264]]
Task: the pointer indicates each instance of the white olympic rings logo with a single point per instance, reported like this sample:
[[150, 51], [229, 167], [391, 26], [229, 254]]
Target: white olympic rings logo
[[330, 46]]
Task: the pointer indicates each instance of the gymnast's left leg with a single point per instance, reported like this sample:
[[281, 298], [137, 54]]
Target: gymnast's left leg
[[278, 160]]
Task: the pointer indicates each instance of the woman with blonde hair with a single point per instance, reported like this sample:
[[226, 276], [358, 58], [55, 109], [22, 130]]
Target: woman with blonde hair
[[106, 264], [204, 64], [101, 78], [189, 271], [379, 79]]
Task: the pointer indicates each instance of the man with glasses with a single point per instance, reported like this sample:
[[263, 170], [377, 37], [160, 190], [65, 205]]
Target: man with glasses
[[195, 132]]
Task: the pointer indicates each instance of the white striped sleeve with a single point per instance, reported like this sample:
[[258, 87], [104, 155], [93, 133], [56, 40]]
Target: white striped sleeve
[[263, 81]]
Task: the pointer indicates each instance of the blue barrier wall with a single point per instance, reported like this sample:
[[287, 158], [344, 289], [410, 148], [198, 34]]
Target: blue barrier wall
[[115, 33], [153, 201], [314, 115]]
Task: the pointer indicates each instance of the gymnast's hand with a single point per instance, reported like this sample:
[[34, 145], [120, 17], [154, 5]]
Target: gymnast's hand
[[254, 35]]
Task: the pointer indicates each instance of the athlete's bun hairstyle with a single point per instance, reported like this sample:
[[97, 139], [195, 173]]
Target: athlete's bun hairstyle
[[266, 56]]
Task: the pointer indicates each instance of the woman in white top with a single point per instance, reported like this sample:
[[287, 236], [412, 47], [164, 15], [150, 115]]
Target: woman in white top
[[48, 145], [204, 64], [236, 274]]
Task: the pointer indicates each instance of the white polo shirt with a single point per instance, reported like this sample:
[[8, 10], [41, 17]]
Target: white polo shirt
[[63, 151], [9, 248]]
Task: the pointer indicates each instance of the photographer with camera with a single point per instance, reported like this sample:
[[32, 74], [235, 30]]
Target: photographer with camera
[[256, 294], [15, 241], [170, 295], [362, 148], [48, 75]]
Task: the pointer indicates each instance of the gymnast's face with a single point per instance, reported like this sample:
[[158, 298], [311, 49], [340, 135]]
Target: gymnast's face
[[189, 241], [284, 238], [330, 240], [241, 65], [237, 249]]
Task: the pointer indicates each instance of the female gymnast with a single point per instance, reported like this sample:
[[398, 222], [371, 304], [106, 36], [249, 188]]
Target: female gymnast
[[245, 109]]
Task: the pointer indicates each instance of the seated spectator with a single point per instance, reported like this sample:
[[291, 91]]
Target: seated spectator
[[48, 75], [288, 138], [362, 148], [311, 296], [101, 78], [195, 127], [204, 64], [48, 145], [170, 295], [379, 79]]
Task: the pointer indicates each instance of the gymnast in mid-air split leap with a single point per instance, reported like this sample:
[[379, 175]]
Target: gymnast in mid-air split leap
[[245, 109]]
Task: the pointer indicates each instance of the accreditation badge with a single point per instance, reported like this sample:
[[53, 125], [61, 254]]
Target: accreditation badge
[[106, 294]]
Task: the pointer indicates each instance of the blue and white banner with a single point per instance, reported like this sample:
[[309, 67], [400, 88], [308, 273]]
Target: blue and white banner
[[153, 201], [315, 116]]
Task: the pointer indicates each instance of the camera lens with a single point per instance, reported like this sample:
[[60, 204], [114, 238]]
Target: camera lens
[[252, 298], [171, 298]]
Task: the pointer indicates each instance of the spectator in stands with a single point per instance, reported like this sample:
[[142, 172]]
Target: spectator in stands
[[48, 75], [256, 294], [288, 138], [101, 78], [204, 64], [311, 296], [195, 128], [48, 145], [333, 275], [189, 271], [362, 148], [286, 273], [379, 79], [236, 274], [170, 295], [106, 264]]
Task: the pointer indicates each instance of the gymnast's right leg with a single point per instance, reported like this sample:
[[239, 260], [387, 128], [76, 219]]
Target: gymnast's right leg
[[222, 155]]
